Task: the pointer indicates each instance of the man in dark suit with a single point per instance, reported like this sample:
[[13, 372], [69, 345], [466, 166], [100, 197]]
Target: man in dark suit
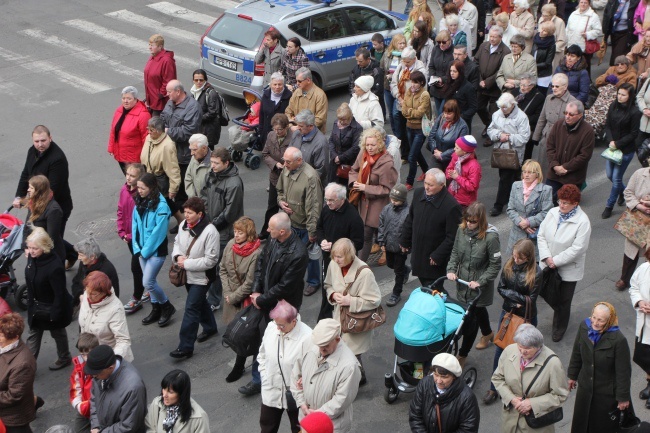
[[530, 101], [472, 73]]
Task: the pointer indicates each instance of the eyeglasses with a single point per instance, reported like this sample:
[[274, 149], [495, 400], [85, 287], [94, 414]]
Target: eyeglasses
[[566, 113], [331, 200], [564, 203], [279, 129], [199, 80], [299, 81], [444, 42], [528, 172], [281, 327], [556, 86], [471, 221]]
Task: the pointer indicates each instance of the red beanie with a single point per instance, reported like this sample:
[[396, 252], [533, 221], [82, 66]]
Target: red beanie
[[317, 422]]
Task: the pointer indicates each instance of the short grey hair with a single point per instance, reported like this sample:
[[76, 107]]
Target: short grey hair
[[451, 19], [156, 123], [179, 86], [304, 72], [506, 100], [199, 139], [306, 116], [409, 53], [282, 221], [130, 89], [337, 189], [561, 78], [529, 77], [529, 336], [579, 106], [518, 40], [277, 76], [461, 47], [88, 247], [295, 152], [497, 29], [438, 174], [521, 4]]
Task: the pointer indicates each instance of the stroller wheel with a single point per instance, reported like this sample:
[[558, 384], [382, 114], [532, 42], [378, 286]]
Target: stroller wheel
[[21, 297], [247, 160], [236, 155], [390, 395], [254, 162], [469, 377]]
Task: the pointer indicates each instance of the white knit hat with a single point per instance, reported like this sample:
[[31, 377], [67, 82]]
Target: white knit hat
[[365, 82], [448, 362]]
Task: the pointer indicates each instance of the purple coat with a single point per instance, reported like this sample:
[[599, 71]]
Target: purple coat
[[125, 207]]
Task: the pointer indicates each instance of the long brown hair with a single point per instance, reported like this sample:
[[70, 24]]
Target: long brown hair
[[526, 249], [476, 211], [41, 197]]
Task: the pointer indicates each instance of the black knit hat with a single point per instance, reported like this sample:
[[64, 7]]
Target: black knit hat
[[100, 358]]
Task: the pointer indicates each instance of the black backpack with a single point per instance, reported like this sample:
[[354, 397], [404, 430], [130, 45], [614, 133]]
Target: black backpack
[[224, 115], [244, 333]]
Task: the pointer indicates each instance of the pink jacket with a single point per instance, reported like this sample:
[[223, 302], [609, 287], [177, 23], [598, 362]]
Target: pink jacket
[[125, 207], [468, 181]]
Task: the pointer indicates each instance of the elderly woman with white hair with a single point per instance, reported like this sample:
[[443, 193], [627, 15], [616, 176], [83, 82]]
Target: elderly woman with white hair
[[530, 380], [523, 22], [365, 104], [92, 259], [509, 129], [128, 129], [458, 36], [275, 99], [515, 64], [199, 165], [503, 21]]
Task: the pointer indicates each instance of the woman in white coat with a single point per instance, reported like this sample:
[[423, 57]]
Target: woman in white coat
[[365, 104], [101, 313], [347, 272], [281, 347], [563, 240], [583, 25], [640, 296]]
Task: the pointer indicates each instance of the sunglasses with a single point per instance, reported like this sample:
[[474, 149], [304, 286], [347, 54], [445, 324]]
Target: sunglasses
[[471, 221], [566, 113]]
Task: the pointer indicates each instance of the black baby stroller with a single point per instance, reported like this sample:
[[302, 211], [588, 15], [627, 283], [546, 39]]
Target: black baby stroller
[[246, 142], [429, 323], [11, 248]]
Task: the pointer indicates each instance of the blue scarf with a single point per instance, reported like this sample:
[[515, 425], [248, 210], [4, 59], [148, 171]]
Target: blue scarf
[[566, 216], [595, 336]]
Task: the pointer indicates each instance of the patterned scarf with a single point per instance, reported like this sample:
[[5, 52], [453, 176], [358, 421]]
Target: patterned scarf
[[170, 419], [458, 167], [401, 85], [246, 249], [523, 363], [565, 216]]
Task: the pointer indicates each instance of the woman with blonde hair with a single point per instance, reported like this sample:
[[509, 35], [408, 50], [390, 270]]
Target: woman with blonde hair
[[544, 53], [419, 6], [389, 62], [348, 273], [549, 13], [343, 142], [43, 211], [371, 179]]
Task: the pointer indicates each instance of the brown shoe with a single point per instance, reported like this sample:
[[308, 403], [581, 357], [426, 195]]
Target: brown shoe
[[490, 397], [382, 260], [375, 249], [485, 341], [310, 290], [461, 361], [620, 285]]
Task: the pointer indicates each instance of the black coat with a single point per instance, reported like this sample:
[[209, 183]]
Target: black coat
[[544, 59], [467, 101], [45, 278], [532, 105], [622, 126], [514, 291], [472, 73], [438, 66], [52, 222], [54, 165], [345, 222], [459, 410], [284, 278], [429, 231], [375, 70], [103, 265], [269, 109], [211, 109], [344, 144]]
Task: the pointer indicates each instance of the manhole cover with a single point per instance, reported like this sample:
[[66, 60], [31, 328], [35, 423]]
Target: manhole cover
[[101, 229]]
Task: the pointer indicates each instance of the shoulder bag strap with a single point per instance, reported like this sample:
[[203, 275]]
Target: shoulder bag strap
[[537, 375], [345, 292], [438, 416], [235, 266], [280, 366], [187, 254]]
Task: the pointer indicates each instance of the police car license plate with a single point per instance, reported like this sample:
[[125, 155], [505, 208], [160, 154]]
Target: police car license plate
[[228, 64]]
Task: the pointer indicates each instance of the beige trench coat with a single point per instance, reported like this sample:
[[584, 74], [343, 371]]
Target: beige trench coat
[[637, 188], [365, 295], [198, 422], [525, 25], [547, 393], [511, 70], [237, 274]]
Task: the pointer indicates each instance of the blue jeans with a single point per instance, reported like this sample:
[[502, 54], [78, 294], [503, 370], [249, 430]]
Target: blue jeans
[[615, 174], [150, 268], [416, 140], [390, 104], [255, 371], [398, 123], [313, 268], [215, 291], [197, 311]]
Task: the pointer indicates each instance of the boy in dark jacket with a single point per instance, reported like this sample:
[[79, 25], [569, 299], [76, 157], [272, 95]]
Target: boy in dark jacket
[[391, 220]]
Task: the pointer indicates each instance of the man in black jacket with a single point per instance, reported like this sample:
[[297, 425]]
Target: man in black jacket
[[366, 65], [430, 227], [619, 25], [530, 101], [279, 274], [339, 219], [472, 73], [48, 159]]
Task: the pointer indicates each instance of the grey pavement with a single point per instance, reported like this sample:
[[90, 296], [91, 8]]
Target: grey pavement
[[64, 63]]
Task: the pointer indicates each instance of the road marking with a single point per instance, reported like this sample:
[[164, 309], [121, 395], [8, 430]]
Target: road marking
[[127, 41], [24, 96], [83, 53], [145, 22], [43, 66], [179, 12], [223, 4]]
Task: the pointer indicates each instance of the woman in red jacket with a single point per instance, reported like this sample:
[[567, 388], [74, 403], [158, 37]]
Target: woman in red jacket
[[128, 129], [464, 171]]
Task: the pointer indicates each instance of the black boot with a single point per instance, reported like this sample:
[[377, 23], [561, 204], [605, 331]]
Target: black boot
[[363, 380], [629, 265], [168, 311], [154, 315], [237, 370], [645, 394]]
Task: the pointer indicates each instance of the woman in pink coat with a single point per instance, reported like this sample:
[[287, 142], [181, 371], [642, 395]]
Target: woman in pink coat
[[464, 171], [128, 129]]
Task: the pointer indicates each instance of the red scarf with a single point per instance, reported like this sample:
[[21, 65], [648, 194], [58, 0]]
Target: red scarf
[[367, 164], [345, 269], [247, 249]]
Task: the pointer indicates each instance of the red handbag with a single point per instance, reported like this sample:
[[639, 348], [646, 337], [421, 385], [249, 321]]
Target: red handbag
[[592, 45]]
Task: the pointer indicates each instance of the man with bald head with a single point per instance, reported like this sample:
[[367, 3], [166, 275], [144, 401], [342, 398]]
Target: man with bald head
[[182, 117], [300, 195]]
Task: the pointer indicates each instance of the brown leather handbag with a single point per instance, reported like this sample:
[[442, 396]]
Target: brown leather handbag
[[178, 275], [343, 171], [505, 158], [356, 323], [506, 334]]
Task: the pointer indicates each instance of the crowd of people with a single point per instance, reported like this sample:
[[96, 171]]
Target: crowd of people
[[336, 199]]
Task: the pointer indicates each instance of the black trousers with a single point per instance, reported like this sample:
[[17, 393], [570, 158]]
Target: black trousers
[[271, 207], [487, 106], [479, 319], [562, 312], [397, 262], [326, 309], [271, 417], [506, 179], [181, 195], [618, 42], [136, 270]]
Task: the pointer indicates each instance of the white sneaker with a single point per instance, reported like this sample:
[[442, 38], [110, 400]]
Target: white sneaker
[[146, 297]]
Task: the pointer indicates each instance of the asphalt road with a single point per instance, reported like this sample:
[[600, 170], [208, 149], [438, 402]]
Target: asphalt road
[[64, 63]]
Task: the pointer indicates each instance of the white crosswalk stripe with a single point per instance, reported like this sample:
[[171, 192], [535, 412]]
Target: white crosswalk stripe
[[82, 53], [223, 4], [157, 26], [44, 66], [127, 41], [24, 96], [175, 11]]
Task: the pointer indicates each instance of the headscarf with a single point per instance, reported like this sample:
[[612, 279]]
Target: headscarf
[[610, 326]]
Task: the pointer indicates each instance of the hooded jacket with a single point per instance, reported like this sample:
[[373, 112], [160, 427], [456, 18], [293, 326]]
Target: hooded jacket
[[129, 144], [445, 140], [125, 206], [366, 110], [223, 195], [150, 230], [159, 70], [579, 79]]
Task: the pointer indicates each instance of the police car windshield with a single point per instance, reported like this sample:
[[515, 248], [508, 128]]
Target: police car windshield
[[239, 32]]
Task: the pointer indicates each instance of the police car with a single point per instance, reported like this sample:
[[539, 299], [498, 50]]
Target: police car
[[329, 31]]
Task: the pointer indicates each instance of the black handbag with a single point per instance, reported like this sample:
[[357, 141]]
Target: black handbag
[[244, 333], [641, 355], [592, 95], [643, 153], [550, 290], [626, 419], [292, 406], [548, 418], [42, 311]]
